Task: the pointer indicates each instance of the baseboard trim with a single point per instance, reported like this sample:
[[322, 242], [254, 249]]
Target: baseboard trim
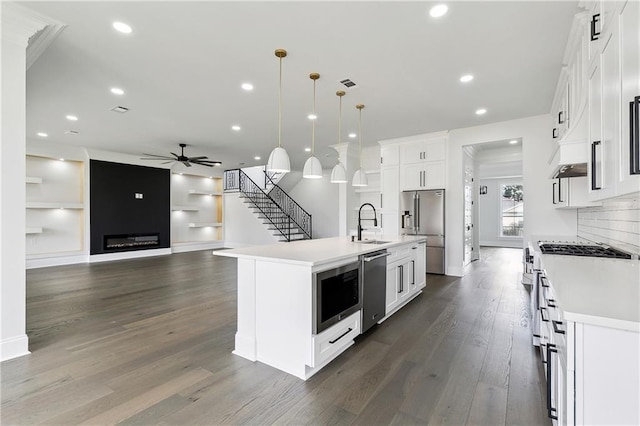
[[44, 262], [455, 271], [186, 247], [128, 255], [14, 347]]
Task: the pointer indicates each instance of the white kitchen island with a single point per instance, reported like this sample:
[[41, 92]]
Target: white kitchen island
[[275, 298]]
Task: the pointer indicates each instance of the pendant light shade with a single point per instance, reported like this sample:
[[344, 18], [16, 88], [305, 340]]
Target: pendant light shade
[[359, 178], [279, 159], [312, 167], [339, 173]]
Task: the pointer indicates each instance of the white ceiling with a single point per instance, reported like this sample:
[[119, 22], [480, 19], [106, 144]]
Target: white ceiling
[[183, 65]]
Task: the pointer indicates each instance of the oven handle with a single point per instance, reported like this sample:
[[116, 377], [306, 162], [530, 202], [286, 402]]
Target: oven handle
[[369, 259], [550, 409], [349, 330]]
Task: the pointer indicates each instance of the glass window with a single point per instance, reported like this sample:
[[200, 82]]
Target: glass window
[[512, 210]]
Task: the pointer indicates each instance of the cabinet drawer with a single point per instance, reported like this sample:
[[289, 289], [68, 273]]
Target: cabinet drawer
[[398, 253], [335, 339]]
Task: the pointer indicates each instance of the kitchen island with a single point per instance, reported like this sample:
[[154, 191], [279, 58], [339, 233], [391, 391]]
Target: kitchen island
[[276, 311]]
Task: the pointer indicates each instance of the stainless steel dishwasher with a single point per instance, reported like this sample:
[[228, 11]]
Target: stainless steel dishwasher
[[373, 267]]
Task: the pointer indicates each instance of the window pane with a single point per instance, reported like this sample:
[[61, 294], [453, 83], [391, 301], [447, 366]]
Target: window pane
[[512, 210]]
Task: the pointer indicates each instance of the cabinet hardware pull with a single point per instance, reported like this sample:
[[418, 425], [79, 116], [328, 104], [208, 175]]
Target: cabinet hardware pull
[[349, 330], [544, 282], [594, 21], [401, 268], [555, 326], [634, 136], [550, 410], [594, 185], [413, 270], [543, 310], [561, 117], [544, 354], [553, 191], [552, 303], [555, 133], [560, 200]]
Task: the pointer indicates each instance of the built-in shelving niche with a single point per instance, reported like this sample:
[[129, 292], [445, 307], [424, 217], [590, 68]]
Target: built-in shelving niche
[[196, 209]]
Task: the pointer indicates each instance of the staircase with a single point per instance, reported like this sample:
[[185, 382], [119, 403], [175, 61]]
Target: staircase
[[275, 208]]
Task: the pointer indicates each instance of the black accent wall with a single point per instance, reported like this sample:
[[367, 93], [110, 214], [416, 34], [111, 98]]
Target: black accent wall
[[115, 210]]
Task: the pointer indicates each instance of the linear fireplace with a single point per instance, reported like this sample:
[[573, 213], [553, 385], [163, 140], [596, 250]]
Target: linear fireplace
[[126, 242]]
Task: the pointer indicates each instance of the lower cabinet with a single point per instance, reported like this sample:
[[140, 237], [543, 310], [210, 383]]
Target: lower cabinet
[[406, 275], [335, 339]]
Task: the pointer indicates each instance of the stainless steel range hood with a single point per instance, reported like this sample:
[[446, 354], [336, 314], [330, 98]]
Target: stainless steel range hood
[[572, 155]]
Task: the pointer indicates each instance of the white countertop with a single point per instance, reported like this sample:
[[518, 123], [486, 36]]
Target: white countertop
[[315, 252], [592, 290]]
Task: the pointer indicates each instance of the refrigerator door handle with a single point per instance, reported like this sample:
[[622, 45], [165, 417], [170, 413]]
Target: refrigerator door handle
[[416, 212]]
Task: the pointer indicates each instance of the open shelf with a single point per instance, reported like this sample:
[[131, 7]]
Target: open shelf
[[205, 224], [199, 192], [372, 172], [45, 205], [33, 179], [367, 190], [33, 230], [185, 209]]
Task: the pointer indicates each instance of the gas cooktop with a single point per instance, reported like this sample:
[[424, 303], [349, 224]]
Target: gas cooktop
[[578, 249]]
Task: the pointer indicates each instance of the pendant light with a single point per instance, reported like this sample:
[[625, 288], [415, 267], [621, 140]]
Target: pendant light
[[359, 178], [312, 167], [339, 173], [279, 159]]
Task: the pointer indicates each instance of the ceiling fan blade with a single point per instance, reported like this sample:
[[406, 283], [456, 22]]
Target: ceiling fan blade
[[155, 156], [207, 162], [174, 154], [168, 162], [202, 157], [186, 163]]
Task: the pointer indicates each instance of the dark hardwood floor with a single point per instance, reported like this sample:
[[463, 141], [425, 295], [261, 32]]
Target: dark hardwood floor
[[149, 341]]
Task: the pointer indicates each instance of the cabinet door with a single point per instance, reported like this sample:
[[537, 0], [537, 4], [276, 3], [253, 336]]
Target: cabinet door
[[412, 152], [610, 112], [434, 150], [392, 298], [595, 132], [420, 265], [390, 223], [560, 192], [412, 177], [434, 177], [628, 176], [390, 155], [390, 185]]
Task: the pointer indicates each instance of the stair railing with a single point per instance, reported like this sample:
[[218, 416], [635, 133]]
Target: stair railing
[[300, 216], [281, 218]]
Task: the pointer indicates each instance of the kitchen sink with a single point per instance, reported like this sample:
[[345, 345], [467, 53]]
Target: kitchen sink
[[373, 242]]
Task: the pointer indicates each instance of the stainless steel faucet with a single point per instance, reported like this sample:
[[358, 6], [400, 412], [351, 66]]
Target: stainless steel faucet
[[375, 219]]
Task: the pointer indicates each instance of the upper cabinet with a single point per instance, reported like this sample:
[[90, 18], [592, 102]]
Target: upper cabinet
[[614, 96], [423, 163]]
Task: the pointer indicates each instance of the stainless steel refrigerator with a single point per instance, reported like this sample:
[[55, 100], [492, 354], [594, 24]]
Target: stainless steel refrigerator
[[422, 213]]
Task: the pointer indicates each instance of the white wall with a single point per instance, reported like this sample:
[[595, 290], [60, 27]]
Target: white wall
[[241, 226], [320, 198], [489, 212], [540, 215]]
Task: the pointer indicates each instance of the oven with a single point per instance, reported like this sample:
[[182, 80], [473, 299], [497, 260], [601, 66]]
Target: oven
[[336, 295]]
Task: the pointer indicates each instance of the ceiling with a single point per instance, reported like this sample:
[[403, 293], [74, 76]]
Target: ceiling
[[183, 65]]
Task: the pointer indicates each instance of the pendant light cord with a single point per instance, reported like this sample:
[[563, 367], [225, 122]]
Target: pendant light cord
[[313, 124], [280, 107], [339, 128], [360, 137]]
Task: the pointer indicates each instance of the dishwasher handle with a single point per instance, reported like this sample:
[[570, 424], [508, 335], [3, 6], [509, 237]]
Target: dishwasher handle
[[369, 259]]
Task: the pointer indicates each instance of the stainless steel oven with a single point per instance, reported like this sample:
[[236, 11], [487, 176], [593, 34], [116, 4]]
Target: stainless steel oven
[[336, 295]]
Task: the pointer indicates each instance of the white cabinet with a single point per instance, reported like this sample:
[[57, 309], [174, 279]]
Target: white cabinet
[[334, 340], [420, 265], [571, 193], [422, 150], [389, 155], [390, 189], [406, 275], [422, 163], [196, 211]]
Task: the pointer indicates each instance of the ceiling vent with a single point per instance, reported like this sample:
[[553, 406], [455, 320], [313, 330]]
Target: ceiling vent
[[71, 132], [347, 83], [119, 109]]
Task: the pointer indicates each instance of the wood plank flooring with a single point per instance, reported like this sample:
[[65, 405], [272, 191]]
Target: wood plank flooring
[[149, 341]]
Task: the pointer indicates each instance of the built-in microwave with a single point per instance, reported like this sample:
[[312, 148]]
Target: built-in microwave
[[336, 295]]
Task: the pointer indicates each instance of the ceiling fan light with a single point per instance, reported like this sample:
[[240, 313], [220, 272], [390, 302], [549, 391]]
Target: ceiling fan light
[[312, 169], [279, 161], [338, 174], [359, 179]]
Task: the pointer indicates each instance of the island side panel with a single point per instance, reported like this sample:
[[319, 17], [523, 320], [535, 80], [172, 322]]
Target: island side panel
[[246, 333], [284, 316]]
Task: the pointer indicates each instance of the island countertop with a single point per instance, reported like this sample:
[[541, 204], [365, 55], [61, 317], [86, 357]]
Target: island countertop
[[316, 252]]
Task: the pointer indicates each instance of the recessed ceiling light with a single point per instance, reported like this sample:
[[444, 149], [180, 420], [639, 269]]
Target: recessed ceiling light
[[307, 150], [180, 174], [72, 118], [42, 134], [256, 158], [352, 135], [312, 116], [117, 91], [438, 10], [236, 128], [122, 27], [247, 86], [61, 159], [466, 78], [481, 111], [513, 142]]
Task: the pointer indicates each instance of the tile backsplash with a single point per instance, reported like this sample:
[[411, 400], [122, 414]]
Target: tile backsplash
[[615, 223]]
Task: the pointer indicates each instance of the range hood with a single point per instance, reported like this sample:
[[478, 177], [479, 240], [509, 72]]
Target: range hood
[[572, 155]]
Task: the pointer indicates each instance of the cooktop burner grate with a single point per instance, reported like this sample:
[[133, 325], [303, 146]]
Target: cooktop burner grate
[[583, 250]]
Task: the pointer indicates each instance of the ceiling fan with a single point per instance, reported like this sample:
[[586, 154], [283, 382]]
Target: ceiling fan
[[187, 161]]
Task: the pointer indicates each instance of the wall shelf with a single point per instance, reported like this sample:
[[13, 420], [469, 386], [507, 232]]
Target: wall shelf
[[367, 190], [199, 192], [33, 179], [205, 224], [44, 205], [184, 209], [372, 172], [33, 230]]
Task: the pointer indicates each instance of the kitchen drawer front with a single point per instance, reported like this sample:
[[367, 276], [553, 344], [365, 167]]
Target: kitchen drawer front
[[335, 339], [398, 253]]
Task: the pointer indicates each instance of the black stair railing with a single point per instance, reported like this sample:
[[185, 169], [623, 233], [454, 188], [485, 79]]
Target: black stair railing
[[277, 207]]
